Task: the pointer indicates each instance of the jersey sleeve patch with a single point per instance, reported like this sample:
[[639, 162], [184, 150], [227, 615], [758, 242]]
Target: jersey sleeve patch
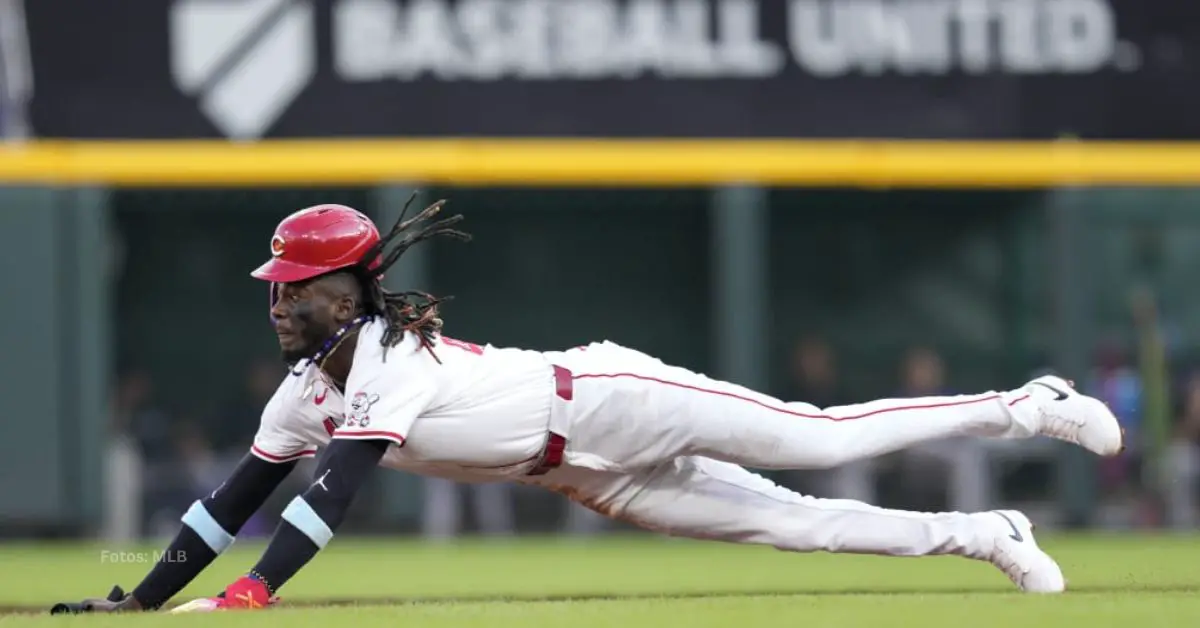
[[374, 415]]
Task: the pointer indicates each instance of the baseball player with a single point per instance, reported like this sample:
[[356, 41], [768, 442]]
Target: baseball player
[[374, 382]]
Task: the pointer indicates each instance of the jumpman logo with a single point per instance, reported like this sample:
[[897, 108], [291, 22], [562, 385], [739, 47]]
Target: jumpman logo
[[248, 599], [321, 480]]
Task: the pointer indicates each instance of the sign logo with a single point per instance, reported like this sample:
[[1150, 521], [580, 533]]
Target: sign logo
[[244, 61], [277, 246], [360, 405]]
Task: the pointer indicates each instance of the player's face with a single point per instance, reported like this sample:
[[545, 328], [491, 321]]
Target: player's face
[[305, 317]]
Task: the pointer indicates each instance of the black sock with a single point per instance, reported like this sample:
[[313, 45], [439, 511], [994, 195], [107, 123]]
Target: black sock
[[289, 551], [182, 561]]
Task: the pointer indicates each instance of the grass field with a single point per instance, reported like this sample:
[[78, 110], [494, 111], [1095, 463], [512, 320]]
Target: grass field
[[1128, 581]]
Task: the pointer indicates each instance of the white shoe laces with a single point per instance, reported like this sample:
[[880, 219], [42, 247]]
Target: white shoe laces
[[1006, 563], [1061, 426]]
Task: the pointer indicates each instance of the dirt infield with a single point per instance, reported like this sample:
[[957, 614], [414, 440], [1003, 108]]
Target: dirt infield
[[480, 599], [473, 599]]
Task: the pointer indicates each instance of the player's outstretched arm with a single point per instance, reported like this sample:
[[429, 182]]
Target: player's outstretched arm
[[308, 524], [209, 527]]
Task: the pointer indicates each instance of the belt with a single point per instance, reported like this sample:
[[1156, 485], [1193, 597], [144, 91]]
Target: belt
[[556, 444]]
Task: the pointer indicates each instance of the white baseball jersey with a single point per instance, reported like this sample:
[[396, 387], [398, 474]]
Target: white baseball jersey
[[483, 413]]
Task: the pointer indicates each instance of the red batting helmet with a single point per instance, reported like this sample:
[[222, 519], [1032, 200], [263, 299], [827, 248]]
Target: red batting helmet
[[318, 240]]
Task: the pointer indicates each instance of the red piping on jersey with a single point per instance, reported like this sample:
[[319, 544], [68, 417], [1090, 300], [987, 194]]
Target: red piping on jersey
[[1018, 400], [362, 434], [795, 413], [307, 453]]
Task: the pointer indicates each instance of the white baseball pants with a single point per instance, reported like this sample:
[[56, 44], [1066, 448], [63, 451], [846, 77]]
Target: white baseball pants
[[702, 498], [631, 412], [660, 446]]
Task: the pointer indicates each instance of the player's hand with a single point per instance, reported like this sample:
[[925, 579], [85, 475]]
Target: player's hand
[[246, 593], [116, 602]]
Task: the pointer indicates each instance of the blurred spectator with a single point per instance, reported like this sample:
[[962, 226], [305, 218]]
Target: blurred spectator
[[179, 461], [960, 465], [1117, 383], [201, 466], [232, 429], [218, 445], [815, 374], [137, 415], [923, 374], [205, 468], [442, 512], [1183, 461], [814, 380]]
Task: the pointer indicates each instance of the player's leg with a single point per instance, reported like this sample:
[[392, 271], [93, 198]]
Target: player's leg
[[633, 411], [707, 499]]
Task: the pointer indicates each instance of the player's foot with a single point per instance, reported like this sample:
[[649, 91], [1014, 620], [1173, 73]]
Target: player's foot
[[1017, 554], [1074, 417], [199, 605]]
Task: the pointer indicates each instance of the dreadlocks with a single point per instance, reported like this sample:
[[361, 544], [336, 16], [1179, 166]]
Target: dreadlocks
[[410, 311]]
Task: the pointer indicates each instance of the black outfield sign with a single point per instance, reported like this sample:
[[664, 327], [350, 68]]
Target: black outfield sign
[[962, 69]]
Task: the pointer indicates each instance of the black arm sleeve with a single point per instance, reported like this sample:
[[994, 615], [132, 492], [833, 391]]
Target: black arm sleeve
[[315, 515], [213, 520]]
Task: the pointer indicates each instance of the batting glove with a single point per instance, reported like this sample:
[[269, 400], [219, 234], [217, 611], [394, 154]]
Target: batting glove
[[116, 602]]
